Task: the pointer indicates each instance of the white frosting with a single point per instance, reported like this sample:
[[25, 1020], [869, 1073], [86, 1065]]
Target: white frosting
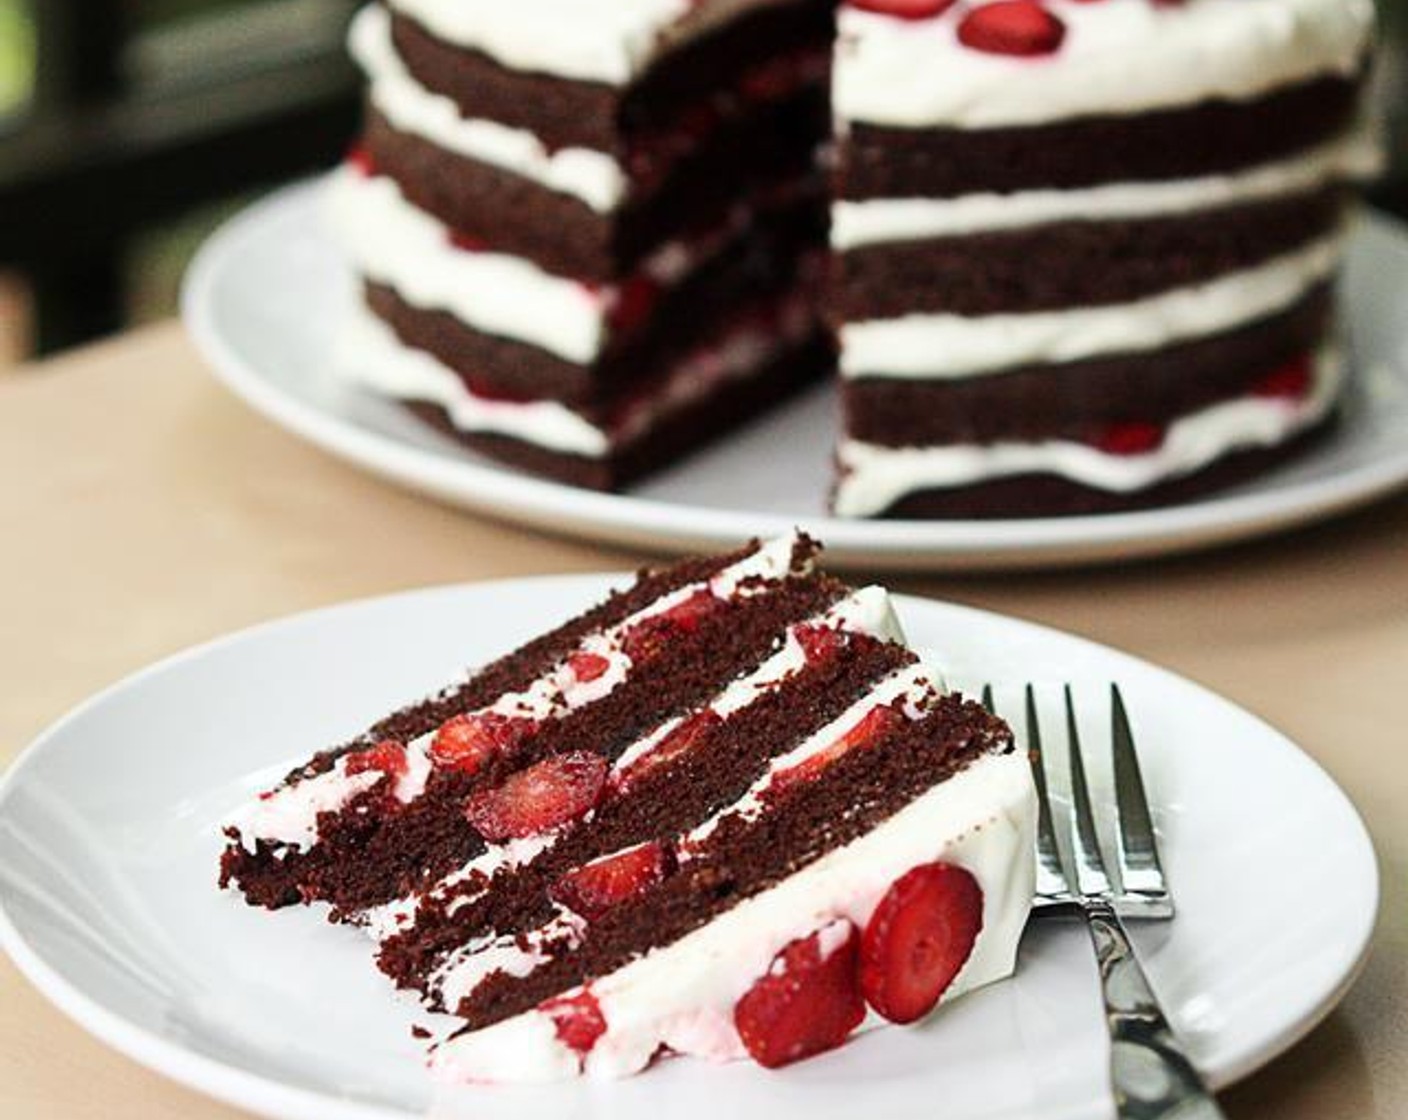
[[370, 355], [288, 814], [395, 244], [682, 995], [931, 346], [874, 477], [1118, 57], [594, 177], [1356, 155], [609, 41]]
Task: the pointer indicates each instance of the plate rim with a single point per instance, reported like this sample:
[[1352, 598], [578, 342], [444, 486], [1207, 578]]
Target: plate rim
[[245, 1089], [626, 519]]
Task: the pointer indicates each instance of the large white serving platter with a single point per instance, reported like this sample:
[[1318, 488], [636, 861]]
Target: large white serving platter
[[109, 840], [265, 298]]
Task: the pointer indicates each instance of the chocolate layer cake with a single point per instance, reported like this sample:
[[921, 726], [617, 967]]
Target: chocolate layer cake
[[1084, 249], [732, 775]]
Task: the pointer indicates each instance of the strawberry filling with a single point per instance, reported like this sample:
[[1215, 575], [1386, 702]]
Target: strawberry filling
[[1021, 28], [873, 726], [542, 797], [387, 756], [676, 744], [598, 886], [653, 635], [577, 1019], [471, 742]]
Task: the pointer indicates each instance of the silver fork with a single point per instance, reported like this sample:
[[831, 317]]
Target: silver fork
[[1150, 1072]]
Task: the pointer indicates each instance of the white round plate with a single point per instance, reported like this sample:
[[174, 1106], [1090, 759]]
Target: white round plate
[[109, 840], [265, 296]]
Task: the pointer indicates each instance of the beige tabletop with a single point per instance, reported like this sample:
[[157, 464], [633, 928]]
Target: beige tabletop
[[143, 509]]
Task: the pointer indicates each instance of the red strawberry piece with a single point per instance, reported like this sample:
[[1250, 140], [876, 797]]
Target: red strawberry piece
[[388, 756], [872, 726], [1015, 27], [471, 742], [547, 794], [1291, 381], [1131, 438], [595, 888], [468, 242], [486, 390], [587, 667], [918, 938], [805, 1003], [651, 635], [360, 160], [632, 303], [820, 642], [577, 1019], [676, 744], [905, 9]]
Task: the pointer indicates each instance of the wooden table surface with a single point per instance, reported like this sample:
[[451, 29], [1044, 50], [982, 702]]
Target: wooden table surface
[[142, 509]]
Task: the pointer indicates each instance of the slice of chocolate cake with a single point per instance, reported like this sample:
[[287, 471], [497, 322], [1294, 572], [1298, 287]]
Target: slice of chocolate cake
[[721, 814]]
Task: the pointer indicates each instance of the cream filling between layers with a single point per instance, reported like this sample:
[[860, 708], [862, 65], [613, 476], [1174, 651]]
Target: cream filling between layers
[[395, 244], [939, 346], [288, 815], [594, 177], [682, 995], [371, 355], [1356, 155], [872, 477], [1119, 57]]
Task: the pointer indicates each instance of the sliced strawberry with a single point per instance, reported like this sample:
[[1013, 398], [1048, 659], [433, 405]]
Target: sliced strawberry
[[542, 797], [1134, 437], [360, 160], [676, 744], [1290, 382], [651, 635], [874, 725], [470, 742], [587, 667], [820, 642], [905, 9], [468, 242], [595, 888], [806, 1002], [388, 756], [1015, 27], [918, 938], [578, 1020]]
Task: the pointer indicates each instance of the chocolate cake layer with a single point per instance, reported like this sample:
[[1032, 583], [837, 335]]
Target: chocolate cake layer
[[759, 264], [1077, 399], [561, 233], [672, 439], [367, 854], [1070, 264], [1212, 137], [1042, 495], [718, 769], [849, 797], [712, 73]]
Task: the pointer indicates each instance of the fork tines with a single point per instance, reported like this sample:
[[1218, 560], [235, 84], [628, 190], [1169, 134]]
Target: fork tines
[[1137, 887]]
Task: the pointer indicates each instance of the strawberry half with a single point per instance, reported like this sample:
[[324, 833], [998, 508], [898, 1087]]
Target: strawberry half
[[805, 1003], [470, 742], [1015, 27], [577, 1019], [873, 725], [918, 938], [388, 756], [595, 888], [676, 744], [905, 9], [542, 797]]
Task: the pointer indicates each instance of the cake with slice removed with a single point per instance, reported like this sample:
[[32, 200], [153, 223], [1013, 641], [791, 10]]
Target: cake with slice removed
[[726, 813]]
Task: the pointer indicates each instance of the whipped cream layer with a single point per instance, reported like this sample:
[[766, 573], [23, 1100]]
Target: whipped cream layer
[[943, 346], [395, 244], [1355, 156], [1119, 57], [288, 815], [873, 477], [606, 41], [593, 177], [682, 995], [372, 356]]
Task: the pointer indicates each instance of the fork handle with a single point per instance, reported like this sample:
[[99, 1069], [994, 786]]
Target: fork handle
[[1150, 1072]]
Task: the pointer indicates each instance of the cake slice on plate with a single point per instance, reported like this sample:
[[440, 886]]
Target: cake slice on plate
[[726, 813]]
